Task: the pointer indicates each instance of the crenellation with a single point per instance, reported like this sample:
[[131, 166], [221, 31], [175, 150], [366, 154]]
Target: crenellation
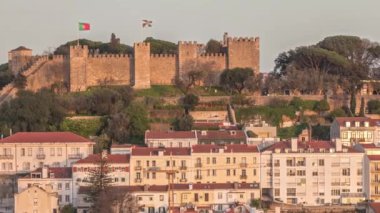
[[213, 55], [162, 55]]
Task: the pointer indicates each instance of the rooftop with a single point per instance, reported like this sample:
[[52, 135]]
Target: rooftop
[[59, 172], [236, 148], [375, 206], [20, 48], [147, 151], [111, 159], [221, 135], [342, 120], [315, 146], [374, 157], [45, 137], [169, 134]]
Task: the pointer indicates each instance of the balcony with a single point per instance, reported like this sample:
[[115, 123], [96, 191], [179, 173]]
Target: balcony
[[6, 157], [198, 177], [75, 156], [138, 167], [198, 165], [153, 168], [301, 163], [243, 177], [138, 180], [183, 180], [277, 164], [182, 167], [375, 181], [375, 170], [40, 156], [243, 165]]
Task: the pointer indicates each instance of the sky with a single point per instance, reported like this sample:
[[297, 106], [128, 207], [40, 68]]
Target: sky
[[43, 25]]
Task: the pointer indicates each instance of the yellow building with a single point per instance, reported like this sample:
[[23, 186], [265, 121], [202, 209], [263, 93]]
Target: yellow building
[[36, 200]]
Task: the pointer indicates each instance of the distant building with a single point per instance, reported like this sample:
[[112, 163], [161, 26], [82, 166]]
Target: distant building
[[36, 200], [24, 152], [353, 130], [221, 137], [170, 138], [58, 180], [312, 173]]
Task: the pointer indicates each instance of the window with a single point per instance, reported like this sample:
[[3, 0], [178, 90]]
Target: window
[[147, 163], [291, 192], [59, 186], [228, 160], [369, 135], [10, 166], [206, 196], [254, 172], [220, 195], [196, 199], [228, 172], [214, 172], [213, 160], [321, 162], [254, 160], [243, 172], [29, 151], [315, 173], [301, 172], [138, 175], [59, 198], [161, 198], [167, 163], [244, 160], [335, 192], [234, 172], [346, 172], [122, 179], [153, 175], [67, 186], [357, 124], [22, 151], [345, 135], [35, 202], [360, 172], [67, 198], [59, 151], [234, 160], [277, 192], [52, 151], [154, 163], [26, 166], [208, 160]]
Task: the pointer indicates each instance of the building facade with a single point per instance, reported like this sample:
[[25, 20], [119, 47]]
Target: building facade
[[353, 130], [36, 200], [24, 152], [170, 138]]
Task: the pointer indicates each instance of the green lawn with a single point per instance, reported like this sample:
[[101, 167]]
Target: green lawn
[[271, 114], [172, 91], [83, 127]]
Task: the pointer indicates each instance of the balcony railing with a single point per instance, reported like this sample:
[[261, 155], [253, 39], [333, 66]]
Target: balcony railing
[[182, 167], [7, 156], [40, 156], [183, 180], [154, 168], [198, 165], [138, 167], [75, 156], [198, 177], [243, 165], [243, 177], [138, 180]]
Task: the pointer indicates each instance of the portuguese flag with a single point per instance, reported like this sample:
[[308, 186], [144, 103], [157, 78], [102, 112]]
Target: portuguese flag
[[84, 26]]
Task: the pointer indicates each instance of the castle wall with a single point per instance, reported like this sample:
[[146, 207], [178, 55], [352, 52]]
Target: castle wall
[[78, 68], [141, 66], [244, 53], [108, 70], [52, 71], [163, 69], [187, 51], [218, 60]]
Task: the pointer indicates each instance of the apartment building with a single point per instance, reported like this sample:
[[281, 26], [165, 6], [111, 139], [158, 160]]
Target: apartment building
[[36, 200], [353, 130], [24, 152], [170, 138], [312, 172], [58, 180], [221, 137], [117, 163], [203, 163]]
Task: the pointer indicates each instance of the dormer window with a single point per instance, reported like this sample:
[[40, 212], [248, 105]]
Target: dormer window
[[366, 124], [233, 132], [51, 175], [348, 124], [357, 124], [203, 132]]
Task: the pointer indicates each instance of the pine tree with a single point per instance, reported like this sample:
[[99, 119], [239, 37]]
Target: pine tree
[[353, 103], [361, 113]]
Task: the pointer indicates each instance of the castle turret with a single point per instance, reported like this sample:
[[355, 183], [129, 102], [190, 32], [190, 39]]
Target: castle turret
[[19, 59], [244, 53], [187, 51], [141, 79], [78, 68]]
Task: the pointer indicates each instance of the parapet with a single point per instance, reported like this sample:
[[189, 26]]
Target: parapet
[[213, 55], [77, 47], [110, 56], [59, 57], [187, 43], [244, 39], [162, 55], [141, 44]]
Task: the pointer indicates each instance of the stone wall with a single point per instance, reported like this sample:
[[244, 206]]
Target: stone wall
[[141, 66], [163, 69], [244, 52], [108, 69]]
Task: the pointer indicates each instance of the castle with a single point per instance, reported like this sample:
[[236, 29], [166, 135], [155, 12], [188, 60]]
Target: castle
[[83, 69]]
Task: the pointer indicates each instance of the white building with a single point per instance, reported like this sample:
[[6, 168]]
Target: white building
[[58, 180], [117, 163], [27, 151], [170, 138], [353, 130], [312, 173]]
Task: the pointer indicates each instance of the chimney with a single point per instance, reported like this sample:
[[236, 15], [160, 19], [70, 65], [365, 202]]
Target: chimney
[[338, 145], [45, 172], [294, 145]]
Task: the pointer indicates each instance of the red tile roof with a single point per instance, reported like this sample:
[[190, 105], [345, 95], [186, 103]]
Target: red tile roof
[[20, 48], [122, 145], [369, 146], [169, 134], [208, 148], [59, 172], [316, 145], [221, 135], [375, 206], [111, 159], [374, 157], [342, 120], [45, 137], [147, 151]]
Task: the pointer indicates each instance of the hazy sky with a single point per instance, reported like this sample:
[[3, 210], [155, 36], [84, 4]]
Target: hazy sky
[[281, 24]]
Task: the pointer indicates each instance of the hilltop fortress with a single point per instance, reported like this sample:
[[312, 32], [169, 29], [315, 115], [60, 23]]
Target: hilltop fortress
[[83, 69]]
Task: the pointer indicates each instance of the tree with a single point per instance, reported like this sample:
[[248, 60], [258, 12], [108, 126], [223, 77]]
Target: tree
[[362, 112], [336, 113], [99, 181], [184, 123], [20, 81], [322, 106], [214, 46], [161, 47], [193, 73], [116, 200], [129, 125], [353, 104], [373, 106], [6, 76], [68, 209], [235, 79], [189, 102]]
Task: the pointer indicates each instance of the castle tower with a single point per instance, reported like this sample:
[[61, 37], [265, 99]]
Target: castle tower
[[141, 78], [244, 53], [78, 68], [19, 58], [187, 51]]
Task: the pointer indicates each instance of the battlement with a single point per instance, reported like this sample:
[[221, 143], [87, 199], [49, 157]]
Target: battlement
[[78, 47], [163, 55], [110, 56], [59, 57], [213, 55], [187, 43], [141, 44], [244, 39]]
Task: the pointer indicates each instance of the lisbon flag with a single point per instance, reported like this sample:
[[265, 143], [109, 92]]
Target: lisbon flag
[[84, 26]]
